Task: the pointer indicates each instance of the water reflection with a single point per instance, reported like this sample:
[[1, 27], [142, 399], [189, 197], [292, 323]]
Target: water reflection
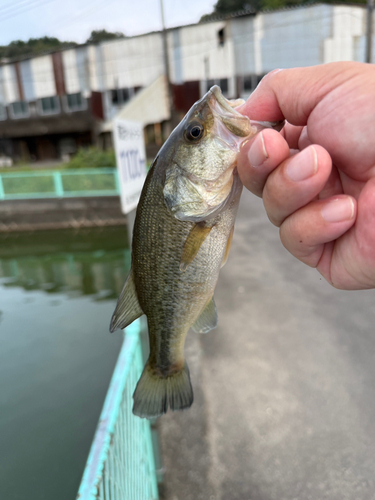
[[58, 290], [92, 266]]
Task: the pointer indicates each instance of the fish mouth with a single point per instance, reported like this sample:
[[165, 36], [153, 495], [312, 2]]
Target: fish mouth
[[223, 109], [226, 104]]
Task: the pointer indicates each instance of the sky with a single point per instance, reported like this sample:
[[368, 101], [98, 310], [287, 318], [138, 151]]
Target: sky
[[73, 20]]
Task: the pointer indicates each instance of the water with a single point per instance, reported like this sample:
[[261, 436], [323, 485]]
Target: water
[[57, 293]]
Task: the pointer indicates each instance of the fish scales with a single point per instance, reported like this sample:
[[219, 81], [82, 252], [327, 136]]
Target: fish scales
[[158, 276], [182, 235]]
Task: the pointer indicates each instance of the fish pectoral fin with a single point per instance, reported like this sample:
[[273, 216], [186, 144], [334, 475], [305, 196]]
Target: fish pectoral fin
[[227, 248], [193, 243], [207, 320], [127, 308]]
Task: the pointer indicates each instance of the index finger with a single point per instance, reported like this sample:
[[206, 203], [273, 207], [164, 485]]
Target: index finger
[[292, 94]]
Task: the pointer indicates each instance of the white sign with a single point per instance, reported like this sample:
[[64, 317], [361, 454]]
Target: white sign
[[131, 161]]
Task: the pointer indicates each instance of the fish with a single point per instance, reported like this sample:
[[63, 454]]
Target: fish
[[182, 236]]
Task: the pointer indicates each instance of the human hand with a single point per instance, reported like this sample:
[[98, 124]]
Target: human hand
[[317, 177]]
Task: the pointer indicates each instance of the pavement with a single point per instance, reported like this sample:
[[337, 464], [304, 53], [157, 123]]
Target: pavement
[[284, 388]]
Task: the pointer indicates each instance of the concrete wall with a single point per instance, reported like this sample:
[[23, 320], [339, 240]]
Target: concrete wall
[[43, 77], [198, 53], [26, 215], [347, 35]]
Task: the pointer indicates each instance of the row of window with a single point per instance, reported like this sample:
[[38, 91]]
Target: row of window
[[44, 106], [250, 82], [222, 82], [121, 96]]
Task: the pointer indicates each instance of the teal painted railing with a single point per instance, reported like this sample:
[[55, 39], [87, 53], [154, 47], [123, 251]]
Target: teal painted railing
[[121, 464], [59, 183]]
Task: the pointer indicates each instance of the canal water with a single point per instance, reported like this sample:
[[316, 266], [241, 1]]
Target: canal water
[[58, 290]]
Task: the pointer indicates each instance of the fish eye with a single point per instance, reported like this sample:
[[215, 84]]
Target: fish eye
[[194, 132]]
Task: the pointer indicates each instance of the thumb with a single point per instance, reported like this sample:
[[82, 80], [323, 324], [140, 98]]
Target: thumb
[[292, 94]]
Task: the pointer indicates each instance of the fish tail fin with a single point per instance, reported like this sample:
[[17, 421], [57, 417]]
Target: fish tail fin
[[155, 393]]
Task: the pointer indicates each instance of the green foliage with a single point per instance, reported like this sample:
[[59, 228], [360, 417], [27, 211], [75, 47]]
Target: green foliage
[[27, 185], [229, 6], [33, 46], [98, 36], [225, 7], [92, 158], [84, 182]]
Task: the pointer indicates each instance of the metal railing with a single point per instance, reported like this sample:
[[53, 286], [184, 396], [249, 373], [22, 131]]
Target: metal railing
[[121, 464], [59, 183]]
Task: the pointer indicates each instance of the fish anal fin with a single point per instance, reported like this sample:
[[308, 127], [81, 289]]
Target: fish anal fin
[[155, 393], [193, 243], [207, 320], [127, 308], [228, 247]]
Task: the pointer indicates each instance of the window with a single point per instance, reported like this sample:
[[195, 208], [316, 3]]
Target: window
[[3, 112], [221, 37], [210, 83], [19, 109], [75, 102], [49, 105], [259, 77], [248, 83], [120, 96], [222, 82]]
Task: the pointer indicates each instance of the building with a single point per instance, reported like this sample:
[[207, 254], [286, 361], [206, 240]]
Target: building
[[54, 103]]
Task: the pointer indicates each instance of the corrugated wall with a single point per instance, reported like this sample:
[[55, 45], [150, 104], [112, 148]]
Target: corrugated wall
[[132, 62], [44, 80]]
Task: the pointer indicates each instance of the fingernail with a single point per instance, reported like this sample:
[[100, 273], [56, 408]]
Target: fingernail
[[338, 210], [303, 165], [257, 152]]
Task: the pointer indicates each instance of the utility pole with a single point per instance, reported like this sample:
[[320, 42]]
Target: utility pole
[[370, 10], [167, 68]]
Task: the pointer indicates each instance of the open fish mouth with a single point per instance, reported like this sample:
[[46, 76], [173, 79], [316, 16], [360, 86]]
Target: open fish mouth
[[225, 103], [236, 125]]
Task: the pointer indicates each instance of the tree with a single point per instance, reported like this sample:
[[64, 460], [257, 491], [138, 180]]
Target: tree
[[225, 7], [33, 46], [98, 36]]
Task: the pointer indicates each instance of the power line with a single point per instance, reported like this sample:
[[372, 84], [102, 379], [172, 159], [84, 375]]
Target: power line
[[28, 6], [101, 71]]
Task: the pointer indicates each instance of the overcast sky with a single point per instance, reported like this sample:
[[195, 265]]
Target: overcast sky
[[74, 20]]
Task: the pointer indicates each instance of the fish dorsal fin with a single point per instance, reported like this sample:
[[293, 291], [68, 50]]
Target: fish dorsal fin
[[127, 308], [228, 247], [207, 320], [193, 243]]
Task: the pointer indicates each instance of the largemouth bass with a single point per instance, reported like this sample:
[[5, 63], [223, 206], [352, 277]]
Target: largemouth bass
[[182, 236]]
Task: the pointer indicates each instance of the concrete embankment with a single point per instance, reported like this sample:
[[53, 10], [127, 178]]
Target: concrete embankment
[[60, 213]]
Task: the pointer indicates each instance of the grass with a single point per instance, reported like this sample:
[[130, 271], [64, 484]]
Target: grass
[[28, 185], [23, 184], [83, 182]]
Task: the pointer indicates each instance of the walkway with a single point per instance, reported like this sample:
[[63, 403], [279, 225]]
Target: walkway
[[284, 388]]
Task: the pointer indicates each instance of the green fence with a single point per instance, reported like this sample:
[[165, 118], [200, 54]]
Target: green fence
[[121, 463], [59, 183]]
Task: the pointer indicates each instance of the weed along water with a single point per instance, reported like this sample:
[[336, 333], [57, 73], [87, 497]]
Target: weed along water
[[57, 292]]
